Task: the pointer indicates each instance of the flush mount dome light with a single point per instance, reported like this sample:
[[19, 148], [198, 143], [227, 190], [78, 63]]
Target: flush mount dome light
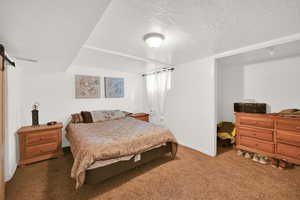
[[154, 40]]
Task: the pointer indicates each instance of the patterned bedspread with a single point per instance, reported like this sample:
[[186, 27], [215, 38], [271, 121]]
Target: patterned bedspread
[[111, 139]]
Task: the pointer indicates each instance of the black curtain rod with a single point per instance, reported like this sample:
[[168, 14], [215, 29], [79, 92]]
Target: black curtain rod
[[159, 71], [2, 53]]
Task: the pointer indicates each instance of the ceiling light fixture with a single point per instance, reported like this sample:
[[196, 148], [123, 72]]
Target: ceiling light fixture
[[154, 40]]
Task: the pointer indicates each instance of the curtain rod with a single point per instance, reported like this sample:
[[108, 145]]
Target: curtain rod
[[2, 53], [159, 71]]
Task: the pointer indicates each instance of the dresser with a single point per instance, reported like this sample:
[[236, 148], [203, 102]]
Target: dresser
[[270, 135], [39, 143], [140, 116]]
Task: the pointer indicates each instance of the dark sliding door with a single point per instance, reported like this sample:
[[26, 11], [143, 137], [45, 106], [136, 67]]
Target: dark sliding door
[[2, 123]]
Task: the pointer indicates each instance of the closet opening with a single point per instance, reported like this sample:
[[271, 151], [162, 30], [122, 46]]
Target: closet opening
[[268, 75]]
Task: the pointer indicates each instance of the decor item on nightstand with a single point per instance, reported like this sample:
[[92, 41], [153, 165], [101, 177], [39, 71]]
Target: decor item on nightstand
[[39, 143], [114, 87], [35, 114], [87, 86]]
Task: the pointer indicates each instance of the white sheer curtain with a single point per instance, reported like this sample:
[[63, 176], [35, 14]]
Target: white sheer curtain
[[157, 86], [13, 120]]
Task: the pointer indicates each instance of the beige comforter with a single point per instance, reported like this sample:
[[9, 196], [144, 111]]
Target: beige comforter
[[111, 139]]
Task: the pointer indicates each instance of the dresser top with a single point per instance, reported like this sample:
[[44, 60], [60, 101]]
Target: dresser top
[[138, 115], [26, 129]]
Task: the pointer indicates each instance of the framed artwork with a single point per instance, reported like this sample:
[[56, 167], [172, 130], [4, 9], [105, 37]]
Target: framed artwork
[[114, 87], [87, 86]]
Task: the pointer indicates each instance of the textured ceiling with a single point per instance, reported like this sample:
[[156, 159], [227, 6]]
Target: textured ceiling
[[91, 58], [54, 32], [193, 28], [290, 49], [50, 31]]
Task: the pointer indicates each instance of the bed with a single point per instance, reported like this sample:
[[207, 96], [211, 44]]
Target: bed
[[106, 148]]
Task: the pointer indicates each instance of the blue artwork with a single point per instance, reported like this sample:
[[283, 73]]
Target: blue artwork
[[114, 87]]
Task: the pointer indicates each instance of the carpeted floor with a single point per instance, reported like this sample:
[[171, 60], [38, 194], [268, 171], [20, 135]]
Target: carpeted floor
[[191, 176]]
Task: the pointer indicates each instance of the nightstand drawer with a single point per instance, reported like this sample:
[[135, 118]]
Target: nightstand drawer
[[40, 150], [140, 116], [39, 143], [143, 118], [41, 138]]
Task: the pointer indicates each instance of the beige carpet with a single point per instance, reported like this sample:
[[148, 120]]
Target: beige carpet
[[191, 176]]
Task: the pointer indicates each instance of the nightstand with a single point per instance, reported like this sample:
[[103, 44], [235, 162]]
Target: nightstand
[[39, 143], [140, 116]]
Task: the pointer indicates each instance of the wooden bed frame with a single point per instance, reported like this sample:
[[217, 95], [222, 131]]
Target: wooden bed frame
[[100, 174]]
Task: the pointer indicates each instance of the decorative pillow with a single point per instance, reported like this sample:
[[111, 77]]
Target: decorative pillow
[[296, 113], [87, 117], [77, 118], [105, 115], [288, 111]]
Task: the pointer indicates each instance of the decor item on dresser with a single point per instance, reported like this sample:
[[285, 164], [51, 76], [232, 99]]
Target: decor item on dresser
[[39, 143], [250, 107], [114, 87], [290, 113], [270, 135], [140, 116], [35, 114], [87, 86]]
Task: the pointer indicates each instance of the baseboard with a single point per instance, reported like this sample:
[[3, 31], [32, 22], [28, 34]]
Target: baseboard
[[11, 173]]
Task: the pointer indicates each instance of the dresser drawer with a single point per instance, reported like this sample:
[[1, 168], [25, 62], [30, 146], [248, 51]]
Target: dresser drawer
[[288, 137], [288, 124], [257, 122], [257, 144], [40, 150], [42, 138], [288, 150], [256, 133]]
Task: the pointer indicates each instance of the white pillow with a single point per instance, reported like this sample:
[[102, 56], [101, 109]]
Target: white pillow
[[105, 115]]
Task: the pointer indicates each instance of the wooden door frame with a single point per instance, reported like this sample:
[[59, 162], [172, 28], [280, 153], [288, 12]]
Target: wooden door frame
[[2, 124]]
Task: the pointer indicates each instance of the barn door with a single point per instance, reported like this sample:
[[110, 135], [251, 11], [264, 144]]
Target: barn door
[[2, 123]]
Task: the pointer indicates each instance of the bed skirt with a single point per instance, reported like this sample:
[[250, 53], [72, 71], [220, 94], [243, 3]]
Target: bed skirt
[[100, 174]]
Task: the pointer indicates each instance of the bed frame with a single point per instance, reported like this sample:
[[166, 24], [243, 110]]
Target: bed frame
[[100, 174]]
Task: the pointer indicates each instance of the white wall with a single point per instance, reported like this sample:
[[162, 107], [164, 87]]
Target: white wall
[[190, 105], [56, 94], [230, 89], [276, 83]]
